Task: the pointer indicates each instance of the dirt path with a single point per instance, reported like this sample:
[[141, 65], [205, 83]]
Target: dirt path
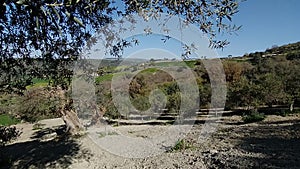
[[272, 143]]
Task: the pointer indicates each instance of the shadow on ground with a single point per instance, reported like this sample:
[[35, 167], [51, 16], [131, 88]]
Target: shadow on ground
[[57, 153], [278, 143], [262, 145]]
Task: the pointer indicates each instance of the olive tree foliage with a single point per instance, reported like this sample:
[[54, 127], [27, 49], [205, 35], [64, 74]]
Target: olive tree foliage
[[50, 32], [42, 38]]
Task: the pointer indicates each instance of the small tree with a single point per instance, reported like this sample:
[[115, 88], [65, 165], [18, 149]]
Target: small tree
[[272, 89], [244, 93]]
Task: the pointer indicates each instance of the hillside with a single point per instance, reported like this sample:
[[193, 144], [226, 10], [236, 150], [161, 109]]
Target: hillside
[[290, 51], [259, 130]]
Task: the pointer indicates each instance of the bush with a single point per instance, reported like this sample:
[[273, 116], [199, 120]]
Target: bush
[[181, 145], [254, 116], [38, 104], [8, 103], [112, 112], [141, 103], [8, 134], [35, 104], [285, 113], [282, 113], [7, 120]]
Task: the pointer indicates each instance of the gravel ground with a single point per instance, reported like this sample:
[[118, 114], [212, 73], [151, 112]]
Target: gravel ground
[[272, 143]]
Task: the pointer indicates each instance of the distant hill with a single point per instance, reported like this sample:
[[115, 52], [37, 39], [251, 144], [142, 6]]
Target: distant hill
[[285, 49], [290, 51], [117, 62]]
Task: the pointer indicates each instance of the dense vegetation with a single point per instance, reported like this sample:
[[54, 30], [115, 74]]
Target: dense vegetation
[[52, 31], [41, 39], [256, 80]]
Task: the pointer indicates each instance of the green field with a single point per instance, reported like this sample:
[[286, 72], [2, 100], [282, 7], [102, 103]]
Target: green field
[[190, 63], [150, 70], [103, 78], [36, 82]]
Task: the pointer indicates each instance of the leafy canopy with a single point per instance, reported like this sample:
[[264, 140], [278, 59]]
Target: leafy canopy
[[55, 32]]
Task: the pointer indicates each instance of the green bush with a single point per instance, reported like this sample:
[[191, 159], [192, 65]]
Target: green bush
[[7, 120], [141, 103], [112, 112], [254, 116], [181, 145]]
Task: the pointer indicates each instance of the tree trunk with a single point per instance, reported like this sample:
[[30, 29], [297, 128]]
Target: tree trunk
[[74, 127]]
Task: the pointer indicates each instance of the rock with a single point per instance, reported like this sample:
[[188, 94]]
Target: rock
[[214, 152], [48, 137]]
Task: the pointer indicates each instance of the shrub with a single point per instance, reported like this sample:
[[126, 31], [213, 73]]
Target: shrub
[[282, 113], [181, 145], [297, 111], [7, 120], [285, 113], [141, 103], [112, 112], [8, 103], [103, 134], [8, 134], [254, 116], [38, 104], [35, 104]]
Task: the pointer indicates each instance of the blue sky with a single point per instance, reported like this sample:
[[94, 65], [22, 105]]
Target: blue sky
[[264, 23]]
